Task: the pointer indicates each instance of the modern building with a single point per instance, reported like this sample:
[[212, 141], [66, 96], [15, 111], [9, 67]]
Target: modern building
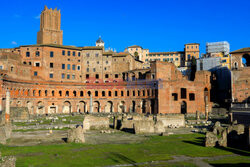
[[219, 49]]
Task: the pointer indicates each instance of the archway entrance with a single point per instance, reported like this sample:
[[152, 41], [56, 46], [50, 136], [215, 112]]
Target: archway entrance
[[66, 107], [121, 107], [96, 106], [143, 106], [30, 107], [82, 107], [108, 107], [40, 108], [183, 107]]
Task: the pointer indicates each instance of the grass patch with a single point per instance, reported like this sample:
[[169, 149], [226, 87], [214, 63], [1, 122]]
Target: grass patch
[[157, 148]]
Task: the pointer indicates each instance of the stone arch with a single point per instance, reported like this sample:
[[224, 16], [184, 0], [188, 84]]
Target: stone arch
[[143, 106], [245, 60], [183, 107], [30, 107], [40, 108], [96, 106], [82, 107], [121, 107], [108, 107], [133, 107], [235, 65], [66, 107]]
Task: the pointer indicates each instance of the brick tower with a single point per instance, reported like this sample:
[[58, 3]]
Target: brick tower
[[50, 27]]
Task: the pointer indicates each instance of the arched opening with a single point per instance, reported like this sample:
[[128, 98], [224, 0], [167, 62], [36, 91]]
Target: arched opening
[[121, 107], [183, 107], [82, 107], [133, 106], [206, 95], [96, 106], [235, 66], [245, 60], [30, 107], [66, 107], [143, 106], [74, 93], [67, 93], [108, 107], [40, 108]]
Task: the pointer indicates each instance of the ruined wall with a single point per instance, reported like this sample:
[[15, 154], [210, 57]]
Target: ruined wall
[[241, 85]]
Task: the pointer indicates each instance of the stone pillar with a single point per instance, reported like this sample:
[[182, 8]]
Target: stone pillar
[[7, 107], [197, 115], [91, 104], [206, 107]]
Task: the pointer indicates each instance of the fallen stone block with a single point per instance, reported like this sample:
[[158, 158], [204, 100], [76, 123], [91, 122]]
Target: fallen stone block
[[76, 135]]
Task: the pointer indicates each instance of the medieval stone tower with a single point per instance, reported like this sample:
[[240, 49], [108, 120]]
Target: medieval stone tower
[[50, 27]]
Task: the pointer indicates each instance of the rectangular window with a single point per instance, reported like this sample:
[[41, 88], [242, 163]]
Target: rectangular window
[[175, 96], [68, 66], [68, 76], [73, 67], [63, 52], [51, 75], [116, 75], [87, 54], [27, 54], [73, 76], [79, 54], [97, 76], [74, 53], [87, 69], [51, 54], [63, 75], [37, 53], [106, 76], [63, 66], [87, 76], [68, 53], [96, 55], [183, 93], [35, 73], [37, 64], [191, 96], [51, 65], [93, 69], [78, 68], [1, 67]]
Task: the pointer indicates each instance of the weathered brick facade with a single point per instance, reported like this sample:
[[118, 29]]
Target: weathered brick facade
[[53, 78]]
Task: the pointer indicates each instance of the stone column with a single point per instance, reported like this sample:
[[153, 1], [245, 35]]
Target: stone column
[[7, 107], [91, 104]]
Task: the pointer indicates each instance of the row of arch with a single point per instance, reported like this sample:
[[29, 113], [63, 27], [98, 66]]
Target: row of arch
[[85, 93], [142, 106]]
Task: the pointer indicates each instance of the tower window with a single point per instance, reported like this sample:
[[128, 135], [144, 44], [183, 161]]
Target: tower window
[[51, 65], [51, 54], [27, 54], [78, 68]]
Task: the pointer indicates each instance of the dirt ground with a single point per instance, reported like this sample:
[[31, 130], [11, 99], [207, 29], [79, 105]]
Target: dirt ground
[[91, 137]]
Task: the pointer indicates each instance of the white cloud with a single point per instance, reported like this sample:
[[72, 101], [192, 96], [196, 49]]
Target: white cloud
[[37, 17], [14, 43]]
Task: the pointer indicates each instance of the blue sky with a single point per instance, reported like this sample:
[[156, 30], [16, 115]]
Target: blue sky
[[159, 25]]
